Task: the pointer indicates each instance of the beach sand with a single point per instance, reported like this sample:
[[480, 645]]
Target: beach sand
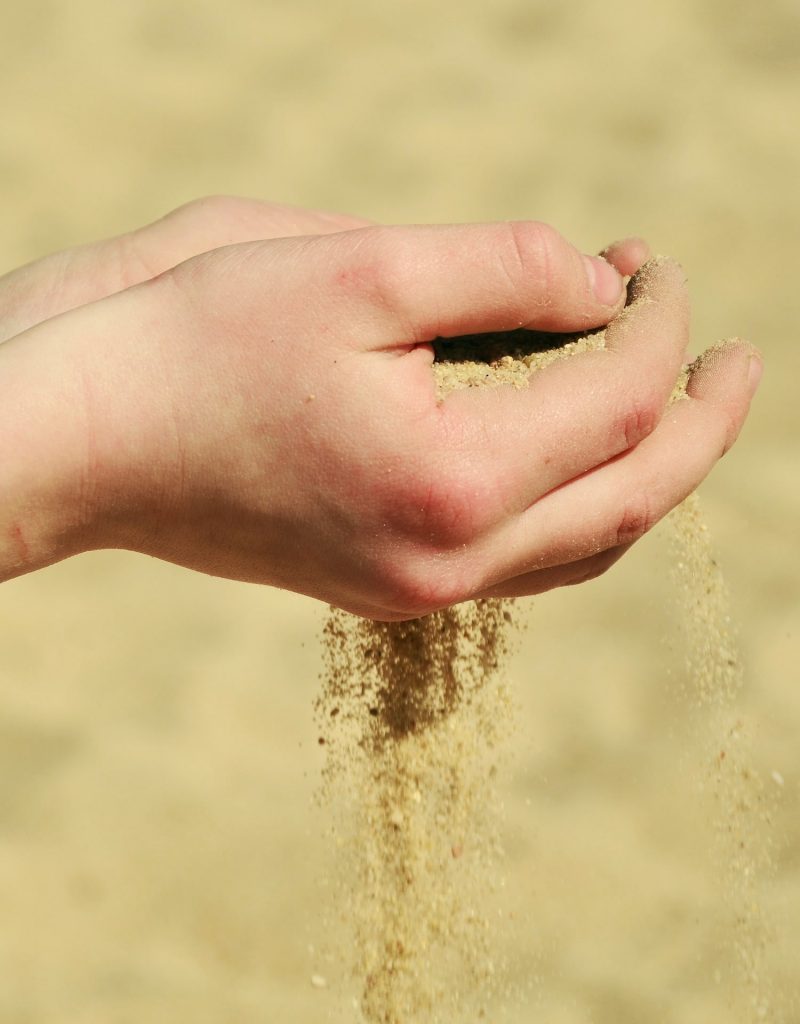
[[162, 857]]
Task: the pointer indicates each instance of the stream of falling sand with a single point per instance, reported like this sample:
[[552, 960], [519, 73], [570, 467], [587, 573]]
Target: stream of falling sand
[[419, 709], [738, 806]]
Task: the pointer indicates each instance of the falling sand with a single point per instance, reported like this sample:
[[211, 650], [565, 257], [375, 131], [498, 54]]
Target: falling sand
[[414, 717], [737, 804], [419, 709]]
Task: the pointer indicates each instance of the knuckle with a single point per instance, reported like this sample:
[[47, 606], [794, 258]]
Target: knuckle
[[637, 420], [140, 255], [212, 207], [445, 506], [188, 281], [528, 251], [448, 511], [373, 263], [372, 267], [416, 583], [637, 518]]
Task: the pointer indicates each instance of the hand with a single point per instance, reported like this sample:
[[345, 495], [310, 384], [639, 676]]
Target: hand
[[266, 412], [75, 277]]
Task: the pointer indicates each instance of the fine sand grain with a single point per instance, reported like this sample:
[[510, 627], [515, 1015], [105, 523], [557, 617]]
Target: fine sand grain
[[736, 803], [412, 715]]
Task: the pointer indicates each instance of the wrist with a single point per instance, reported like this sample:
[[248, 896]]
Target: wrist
[[47, 508]]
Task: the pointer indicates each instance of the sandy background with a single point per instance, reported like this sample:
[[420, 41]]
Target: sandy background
[[159, 854]]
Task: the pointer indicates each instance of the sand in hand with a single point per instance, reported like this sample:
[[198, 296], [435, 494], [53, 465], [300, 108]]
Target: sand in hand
[[414, 716]]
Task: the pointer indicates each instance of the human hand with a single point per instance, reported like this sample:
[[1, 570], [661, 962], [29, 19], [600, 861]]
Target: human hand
[[267, 412], [74, 277]]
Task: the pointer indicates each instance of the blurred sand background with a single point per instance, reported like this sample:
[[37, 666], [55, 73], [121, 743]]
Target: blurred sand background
[[159, 853]]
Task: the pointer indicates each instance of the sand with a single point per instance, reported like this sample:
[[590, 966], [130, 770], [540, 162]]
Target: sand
[[412, 714], [738, 806]]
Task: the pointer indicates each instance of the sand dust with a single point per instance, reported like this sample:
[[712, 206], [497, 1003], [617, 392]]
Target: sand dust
[[415, 715], [738, 806]]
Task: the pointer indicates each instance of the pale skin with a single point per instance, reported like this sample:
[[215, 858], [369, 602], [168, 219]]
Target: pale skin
[[245, 389]]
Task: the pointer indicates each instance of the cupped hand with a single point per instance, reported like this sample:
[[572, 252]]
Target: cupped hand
[[266, 411]]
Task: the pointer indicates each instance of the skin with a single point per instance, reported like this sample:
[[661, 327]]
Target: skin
[[245, 389]]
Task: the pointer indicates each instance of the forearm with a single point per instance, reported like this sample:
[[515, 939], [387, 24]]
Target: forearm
[[90, 451]]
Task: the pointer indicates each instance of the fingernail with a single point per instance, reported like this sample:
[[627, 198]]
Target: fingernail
[[754, 371], [604, 280]]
